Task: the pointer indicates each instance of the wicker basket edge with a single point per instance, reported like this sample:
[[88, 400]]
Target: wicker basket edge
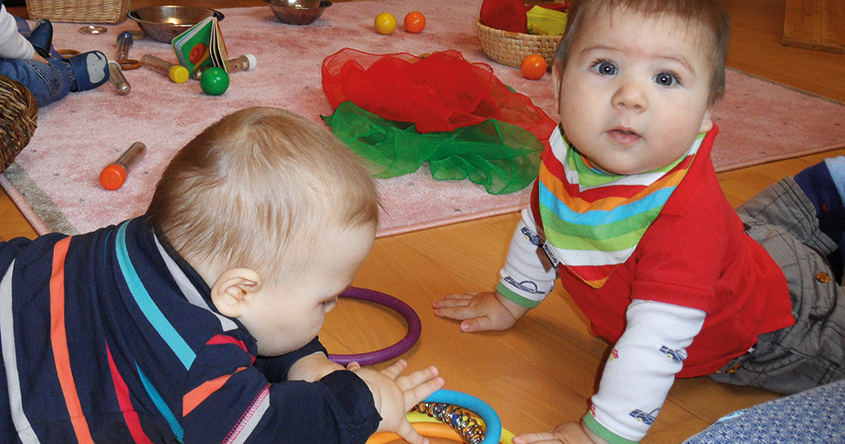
[[18, 119], [509, 48], [79, 11]]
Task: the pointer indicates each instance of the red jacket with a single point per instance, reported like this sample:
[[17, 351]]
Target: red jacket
[[695, 254]]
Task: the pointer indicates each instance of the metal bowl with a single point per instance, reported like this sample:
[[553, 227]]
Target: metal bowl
[[163, 23], [298, 12]]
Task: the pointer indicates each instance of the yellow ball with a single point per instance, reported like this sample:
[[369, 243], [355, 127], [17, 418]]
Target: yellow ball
[[385, 23]]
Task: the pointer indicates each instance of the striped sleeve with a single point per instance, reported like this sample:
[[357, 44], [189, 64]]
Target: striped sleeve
[[235, 403]]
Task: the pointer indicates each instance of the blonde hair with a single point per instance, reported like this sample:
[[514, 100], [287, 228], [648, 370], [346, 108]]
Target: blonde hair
[[254, 189], [709, 14]]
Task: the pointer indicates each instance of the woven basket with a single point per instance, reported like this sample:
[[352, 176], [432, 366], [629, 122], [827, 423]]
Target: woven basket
[[81, 11], [18, 114], [509, 48]]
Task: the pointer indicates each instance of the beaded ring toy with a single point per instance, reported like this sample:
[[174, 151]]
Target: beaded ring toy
[[431, 428], [425, 424], [451, 409], [390, 352], [445, 405]]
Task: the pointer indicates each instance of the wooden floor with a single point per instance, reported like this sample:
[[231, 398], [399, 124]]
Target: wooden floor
[[543, 371]]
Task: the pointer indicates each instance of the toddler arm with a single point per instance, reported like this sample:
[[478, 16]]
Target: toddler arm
[[527, 278], [641, 369], [636, 379], [240, 404], [12, 44], [528, 275]]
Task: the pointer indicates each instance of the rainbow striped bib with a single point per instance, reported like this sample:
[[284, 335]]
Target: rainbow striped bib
[[592, 220]]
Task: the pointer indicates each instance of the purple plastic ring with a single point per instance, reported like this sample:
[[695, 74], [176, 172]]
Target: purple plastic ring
[[387, 353]]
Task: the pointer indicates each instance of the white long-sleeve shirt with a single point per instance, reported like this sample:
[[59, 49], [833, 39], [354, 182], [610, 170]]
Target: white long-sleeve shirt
[[12, 44], [644, 361]]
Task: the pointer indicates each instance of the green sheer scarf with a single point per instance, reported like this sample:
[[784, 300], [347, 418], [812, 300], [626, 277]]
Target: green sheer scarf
[[502, 157]]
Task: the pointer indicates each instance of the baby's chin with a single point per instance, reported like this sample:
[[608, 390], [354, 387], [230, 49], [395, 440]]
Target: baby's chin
[[617, 168], [626, 162]]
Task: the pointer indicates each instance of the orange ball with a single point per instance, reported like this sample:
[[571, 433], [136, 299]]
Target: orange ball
[[533, 67], [414, 22]]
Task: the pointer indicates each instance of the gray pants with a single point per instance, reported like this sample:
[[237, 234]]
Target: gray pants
[[812, 352]]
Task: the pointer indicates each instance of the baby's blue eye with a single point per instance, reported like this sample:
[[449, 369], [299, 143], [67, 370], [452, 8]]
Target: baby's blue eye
[[665, 79], [605, 68]]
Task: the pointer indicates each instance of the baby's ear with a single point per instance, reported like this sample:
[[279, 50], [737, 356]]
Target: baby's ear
[[233, 290], [707, 121]]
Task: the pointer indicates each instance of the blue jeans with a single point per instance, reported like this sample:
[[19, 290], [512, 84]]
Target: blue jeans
[[48, 83]]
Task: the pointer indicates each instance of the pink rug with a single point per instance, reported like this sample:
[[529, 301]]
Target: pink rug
[[55, 179]]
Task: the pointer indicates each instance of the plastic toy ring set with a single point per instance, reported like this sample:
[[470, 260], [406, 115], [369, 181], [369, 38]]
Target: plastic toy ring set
[[387, 353], [445, 414], [454, 416]]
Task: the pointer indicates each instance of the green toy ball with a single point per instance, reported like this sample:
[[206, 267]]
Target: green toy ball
[[214, 81]]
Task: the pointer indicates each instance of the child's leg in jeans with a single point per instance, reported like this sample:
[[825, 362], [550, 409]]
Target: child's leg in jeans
[[52, 81], [48, 82], [824, 184]]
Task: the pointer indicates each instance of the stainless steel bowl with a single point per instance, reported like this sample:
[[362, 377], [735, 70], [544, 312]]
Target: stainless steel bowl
[[163, 23], [298, 12]]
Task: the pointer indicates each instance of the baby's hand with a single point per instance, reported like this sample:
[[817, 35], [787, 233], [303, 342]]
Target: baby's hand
[[480, 311], [566, 433], [395, 395]]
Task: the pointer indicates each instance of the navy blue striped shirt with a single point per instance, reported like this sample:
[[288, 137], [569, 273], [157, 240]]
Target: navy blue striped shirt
[[111, 337]]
